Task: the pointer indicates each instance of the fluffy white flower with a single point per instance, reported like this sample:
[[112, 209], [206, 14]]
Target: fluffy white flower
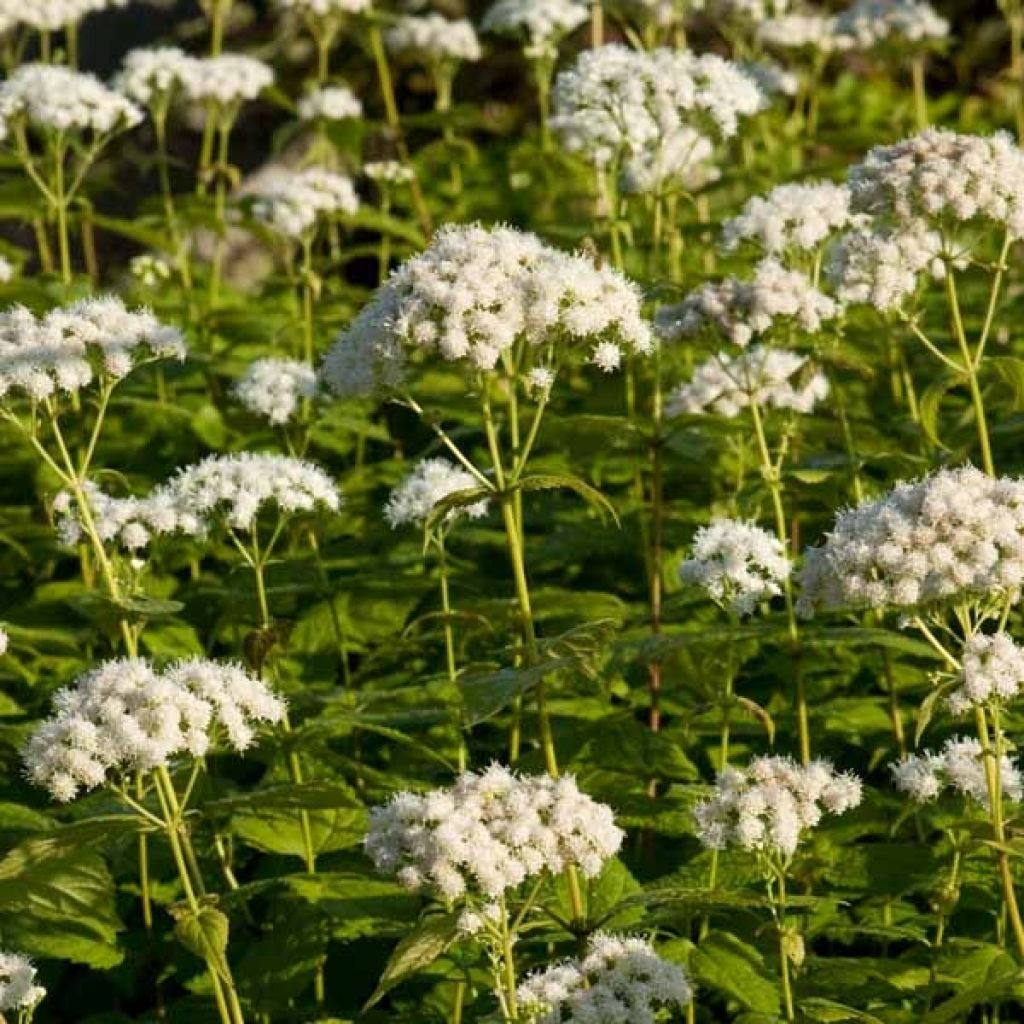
[[740, 309], [737, 563], [18, 988], [541, 24], [957, 533], [943, 179], [489, 833], [388, 172], [804, 30], [770, 804], [993, 670], [226, 80], [771, 77], [275, 388], [292, 204], [620, 980], [899, 23], [793, 217], [883, 267], [771, 378], [430, 482], [433, 38], [617, 104], [6, 270], [68, 348], [959, 766], [152, 75], [125, 716], [752, 11], [329, 103], [51, 98], [236, 489], [471, 295], [323, 9], [52, 15]]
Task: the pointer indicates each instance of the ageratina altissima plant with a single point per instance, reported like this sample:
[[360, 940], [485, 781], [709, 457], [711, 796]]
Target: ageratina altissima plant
[[619, 979], [947, 553], [125, 726], [766, 809], [490, 848], [276, 389], [19, 993], [438, 44], [324, 21], [57, 122], [329, 103]]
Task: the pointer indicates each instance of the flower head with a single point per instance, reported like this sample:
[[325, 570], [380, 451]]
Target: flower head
[[293, 204], [541, 24], [329, 103], [433, 480], [153, 75], [226, 80], [18, 988], [959, 766], [490, 832], [992, 670], [275, 388], [870, 24], [433, 39]]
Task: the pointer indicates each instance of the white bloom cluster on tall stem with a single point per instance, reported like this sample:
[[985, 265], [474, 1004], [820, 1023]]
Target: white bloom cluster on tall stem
[[892, 23], [738, 564], [541, 24], [958, 766], [433, 480], [53, 15], [388, 172], [126, 716], [957, 534], [151, 76], [276, 388], [329, 103], [992, 669], [883, 267], [809, 30], [739, 310], [944, 179], [620, 979], [53, 99], [433, 39], [226, 80], [770, 804], [790, 218], [476, 292], [68, 348], [617, 105], [292, 204], [489, 833], [749, 11], [237, 489], [18, 988], [323, 8], [771, 378]]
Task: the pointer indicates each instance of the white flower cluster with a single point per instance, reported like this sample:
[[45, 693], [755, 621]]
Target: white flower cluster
[[274, 388], [739, 310], [292, 204], [794, 217], [751, 11], [68, 348], [433, 480], [53, 15], [620, 980], [882, 268], [329, 103], [901, 23], [226, 80], [235, 489], [125, 716], [472, 294], [769, 804], [617, 104], [433, 38], [323, 9], [956, 533], [683, 159], [542, 24], [771, 378], [804, 30], [388, 172], [7, 270], [944, 179], [50, 98], [960, 766], [993, 669], [131, 523], [737, 563], [153, 75], [18, 988], [771, 77], [490, 832]]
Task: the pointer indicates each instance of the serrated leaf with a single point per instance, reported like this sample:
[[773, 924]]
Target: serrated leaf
[[420, 948]]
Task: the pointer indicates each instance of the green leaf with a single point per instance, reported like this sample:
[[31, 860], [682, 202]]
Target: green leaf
[[429, 939], [727, 964], [555, 481], [205, 933], [487, 694]]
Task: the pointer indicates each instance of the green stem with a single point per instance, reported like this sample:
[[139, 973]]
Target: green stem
[[920, 93], [449, 644], [787, 987], [61, 200]]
